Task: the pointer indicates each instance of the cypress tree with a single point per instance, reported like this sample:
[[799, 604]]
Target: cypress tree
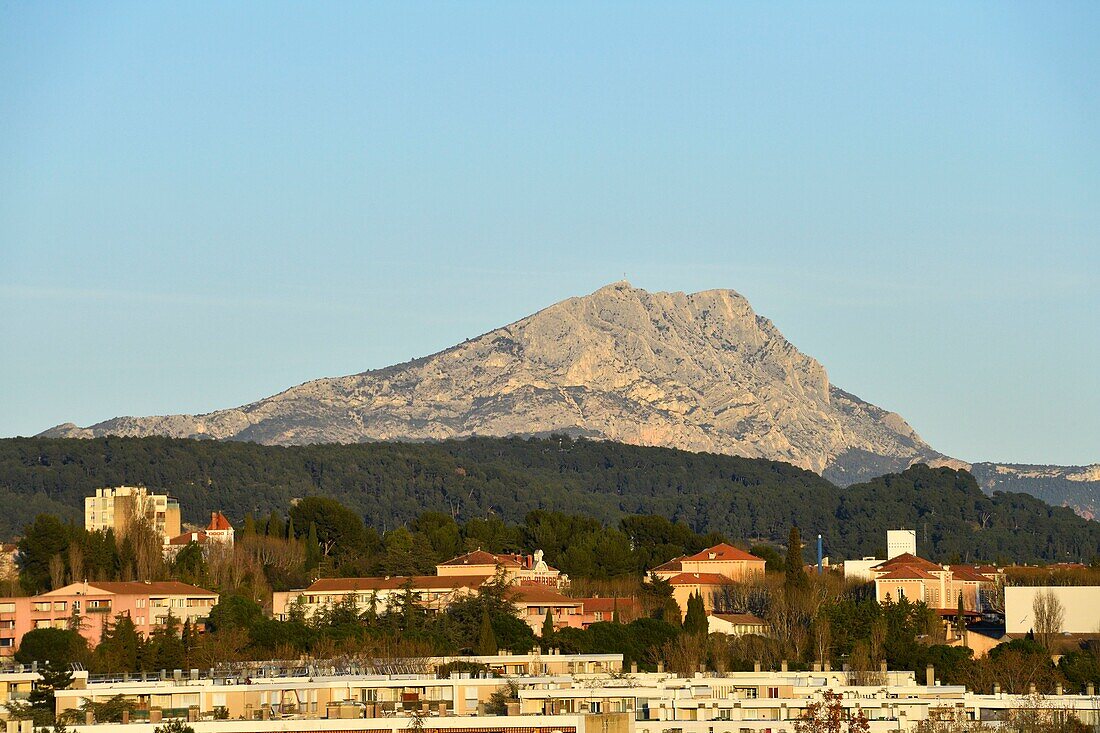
[[695, 620], [313, 548], [547, 626], [796, 573], [249, 527], [487, 640]]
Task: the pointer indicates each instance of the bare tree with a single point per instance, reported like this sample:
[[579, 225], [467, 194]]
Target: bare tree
[[1049, 615]]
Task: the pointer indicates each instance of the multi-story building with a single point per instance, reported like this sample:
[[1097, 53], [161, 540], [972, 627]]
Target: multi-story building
[[707, 572], [115, 508], [548, 693], [528, 569], [9, 555], [91, 605], [938, 586], [900, 542], [431, 591]]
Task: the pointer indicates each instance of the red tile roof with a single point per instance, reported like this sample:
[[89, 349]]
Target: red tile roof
[[672, 565], [395, 582], [722, 552], [908, 572], [218, 522], [188, 537], [699, 579], [908, 560], [965, 572]]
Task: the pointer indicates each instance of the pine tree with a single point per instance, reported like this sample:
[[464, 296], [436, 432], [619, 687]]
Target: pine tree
[[487, 640]]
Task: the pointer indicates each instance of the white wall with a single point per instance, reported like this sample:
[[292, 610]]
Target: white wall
[[900, 541], [1081, 604]]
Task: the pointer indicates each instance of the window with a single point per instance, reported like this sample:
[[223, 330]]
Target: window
[[42, 606], [773, 692], [901, 593], [7, 624], [59, 605], [7, 643], [7, 608]]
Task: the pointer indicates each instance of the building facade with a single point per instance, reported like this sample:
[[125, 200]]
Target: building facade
[[116, 508], [91, 605]]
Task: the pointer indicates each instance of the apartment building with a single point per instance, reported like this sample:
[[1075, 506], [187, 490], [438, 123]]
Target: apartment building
[[115, 508], [939, 586], [553, 694], [91, 605]]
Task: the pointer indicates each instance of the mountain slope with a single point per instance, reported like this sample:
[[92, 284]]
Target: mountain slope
[[699, 372]]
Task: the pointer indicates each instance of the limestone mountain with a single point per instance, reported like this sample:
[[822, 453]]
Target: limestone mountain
[[701, 372]]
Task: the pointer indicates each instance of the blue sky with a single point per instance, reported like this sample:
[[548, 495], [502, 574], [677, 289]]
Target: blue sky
[[203, 204]]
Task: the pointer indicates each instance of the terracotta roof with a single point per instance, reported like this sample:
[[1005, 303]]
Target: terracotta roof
[[908, 572], [394, 582], [134, 588], [722, 552], [965, 572], [539, 595], [699, 579], [671, 565], [745, 619], [188, 537], [218, 522], [908, 560], [481, 557]]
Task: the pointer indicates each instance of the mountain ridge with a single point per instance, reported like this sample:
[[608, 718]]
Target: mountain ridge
[[701, 372]]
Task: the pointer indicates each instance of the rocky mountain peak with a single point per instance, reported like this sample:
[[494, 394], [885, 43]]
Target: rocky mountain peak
[[699, 371]]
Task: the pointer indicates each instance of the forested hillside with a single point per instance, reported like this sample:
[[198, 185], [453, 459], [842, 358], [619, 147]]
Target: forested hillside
[[392, 483]]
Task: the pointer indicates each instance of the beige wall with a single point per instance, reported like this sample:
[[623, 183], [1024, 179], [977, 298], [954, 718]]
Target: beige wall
[[1080, 603]]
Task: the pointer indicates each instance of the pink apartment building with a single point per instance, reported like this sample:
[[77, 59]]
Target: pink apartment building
[[148, 605]]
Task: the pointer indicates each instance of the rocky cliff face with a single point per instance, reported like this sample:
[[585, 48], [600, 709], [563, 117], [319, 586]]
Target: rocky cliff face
[[701, 372]]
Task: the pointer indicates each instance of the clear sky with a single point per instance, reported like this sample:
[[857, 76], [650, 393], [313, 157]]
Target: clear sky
[[203, 204]]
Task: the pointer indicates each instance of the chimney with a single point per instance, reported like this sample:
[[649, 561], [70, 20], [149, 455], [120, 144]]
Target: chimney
[[930, 676], [1058, 690], [1090, 689], [882, 666], [756, 666], [783, 666]]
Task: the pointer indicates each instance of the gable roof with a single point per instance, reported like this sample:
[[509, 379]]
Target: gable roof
[[188, 537], [722, 551], [699, 579], [672, 565], [481, 557], [909, 560]]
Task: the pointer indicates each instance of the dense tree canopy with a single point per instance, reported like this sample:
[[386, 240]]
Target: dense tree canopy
[[488, 483]]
